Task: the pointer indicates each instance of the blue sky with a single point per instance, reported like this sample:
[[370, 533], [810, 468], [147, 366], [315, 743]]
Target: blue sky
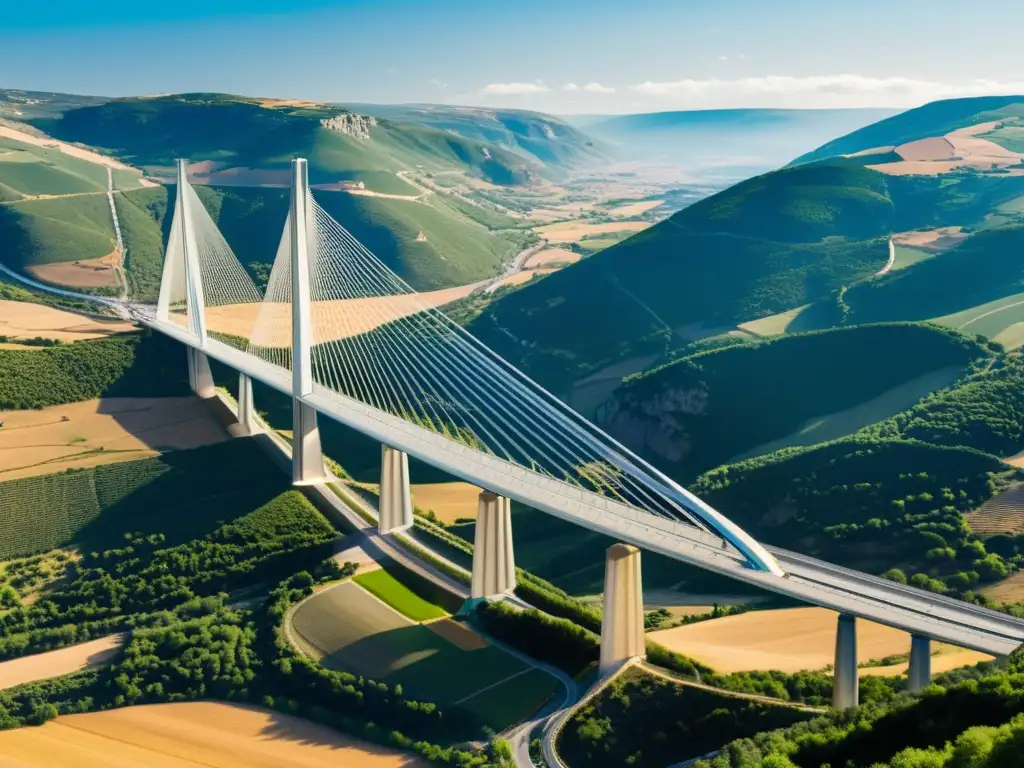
[[563, 56]]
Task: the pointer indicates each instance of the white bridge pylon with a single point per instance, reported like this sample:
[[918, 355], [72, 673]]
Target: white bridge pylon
[[338, 319]]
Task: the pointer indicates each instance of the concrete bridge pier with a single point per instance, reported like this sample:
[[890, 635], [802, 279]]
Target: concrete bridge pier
[[622, 625], [494, 565], [395, 509], [307, 457], [845, 685], [200, 379], [919, 675], [246, 407]]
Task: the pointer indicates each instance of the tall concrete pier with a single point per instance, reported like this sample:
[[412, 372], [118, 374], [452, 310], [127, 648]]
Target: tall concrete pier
[[395, 508], [246, 407], [200, 380], [622, 626], [494, 566], [919, 675], [844, 686]]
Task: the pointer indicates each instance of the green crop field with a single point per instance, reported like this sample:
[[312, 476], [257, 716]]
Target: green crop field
[[393, 592], [30, 170], [55, 230], [907, 255], [94, 507], [345, 627]]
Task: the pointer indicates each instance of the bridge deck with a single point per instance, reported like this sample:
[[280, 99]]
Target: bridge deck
[[806, 579]]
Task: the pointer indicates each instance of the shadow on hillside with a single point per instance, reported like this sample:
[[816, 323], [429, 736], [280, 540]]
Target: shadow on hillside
[[306, 733], [182, 494]]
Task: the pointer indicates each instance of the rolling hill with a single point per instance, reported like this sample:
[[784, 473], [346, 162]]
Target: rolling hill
[[710, 408], [547, 139], [934, 119], [253, 140]]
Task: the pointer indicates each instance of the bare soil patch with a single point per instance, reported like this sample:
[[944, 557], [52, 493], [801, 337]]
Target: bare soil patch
[[574, 231], [1003, 513], [946, 659], [87, 273], [931, 239], [1009, 590], [789, 640], [552, 256], [103, 431], [24, 320], [522, 277], [64, 661], [331, 319], [449, 501], [67, 149], [459, 635], [192, 735], [635, 209]]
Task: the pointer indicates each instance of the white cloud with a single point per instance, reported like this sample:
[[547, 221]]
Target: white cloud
[[723, 58], [438, 83], [514, 89], [570, 87], [818, 91], [597, 88]]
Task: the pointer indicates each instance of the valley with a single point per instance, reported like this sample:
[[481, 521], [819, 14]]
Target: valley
[[824, 352]]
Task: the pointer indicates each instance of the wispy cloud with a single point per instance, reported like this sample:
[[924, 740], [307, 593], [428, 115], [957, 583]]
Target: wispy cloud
[[597, 88], [570, 87], [434, 81], [819, 90], [723, 58], [514, 89]]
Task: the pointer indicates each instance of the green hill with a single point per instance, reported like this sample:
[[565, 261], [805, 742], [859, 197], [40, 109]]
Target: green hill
[[429, 243], [706, 409], [261, 134], [545, 138], [934, 119], [53, 230], [764, 246]]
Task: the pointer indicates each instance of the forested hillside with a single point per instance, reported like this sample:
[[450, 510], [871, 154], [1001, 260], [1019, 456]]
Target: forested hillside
[[706, 409], [263, 134], [764, 246]]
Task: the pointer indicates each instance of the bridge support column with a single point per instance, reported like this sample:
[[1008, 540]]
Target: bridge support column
[[307, 458], [919, 675], [622, 626], [844, 690], [395, 508], [246, 407], [200, 380], [494, 565]]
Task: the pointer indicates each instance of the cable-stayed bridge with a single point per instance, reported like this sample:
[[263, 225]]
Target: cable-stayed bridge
[[347, 339]]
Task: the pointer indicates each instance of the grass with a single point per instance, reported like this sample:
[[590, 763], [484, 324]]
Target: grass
[[835, 425], [56, 230], [513, 700], [31, 170], [393, 592], [998, 320], [346, 628], [907, 255]]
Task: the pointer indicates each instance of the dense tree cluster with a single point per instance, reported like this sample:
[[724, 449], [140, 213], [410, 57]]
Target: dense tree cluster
[[641, 720]]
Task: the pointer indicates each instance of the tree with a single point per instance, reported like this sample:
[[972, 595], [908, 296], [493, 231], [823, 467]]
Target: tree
[[895, 574]]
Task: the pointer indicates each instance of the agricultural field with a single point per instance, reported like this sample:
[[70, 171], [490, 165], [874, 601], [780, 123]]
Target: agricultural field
[[345, 627], [449, 501], [21, 320], [207, 733], [93, 507], [551, 256], [103, 431], [1008, 591], [1001, 320], [394, 593], [575, 231], [793, 640], [1003, 513], [64, 661]]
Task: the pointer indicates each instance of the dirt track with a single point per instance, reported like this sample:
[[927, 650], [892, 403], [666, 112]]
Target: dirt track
[[64, 661]]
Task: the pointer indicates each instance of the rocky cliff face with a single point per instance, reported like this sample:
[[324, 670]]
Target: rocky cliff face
[[650, 426], [350, 124]]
